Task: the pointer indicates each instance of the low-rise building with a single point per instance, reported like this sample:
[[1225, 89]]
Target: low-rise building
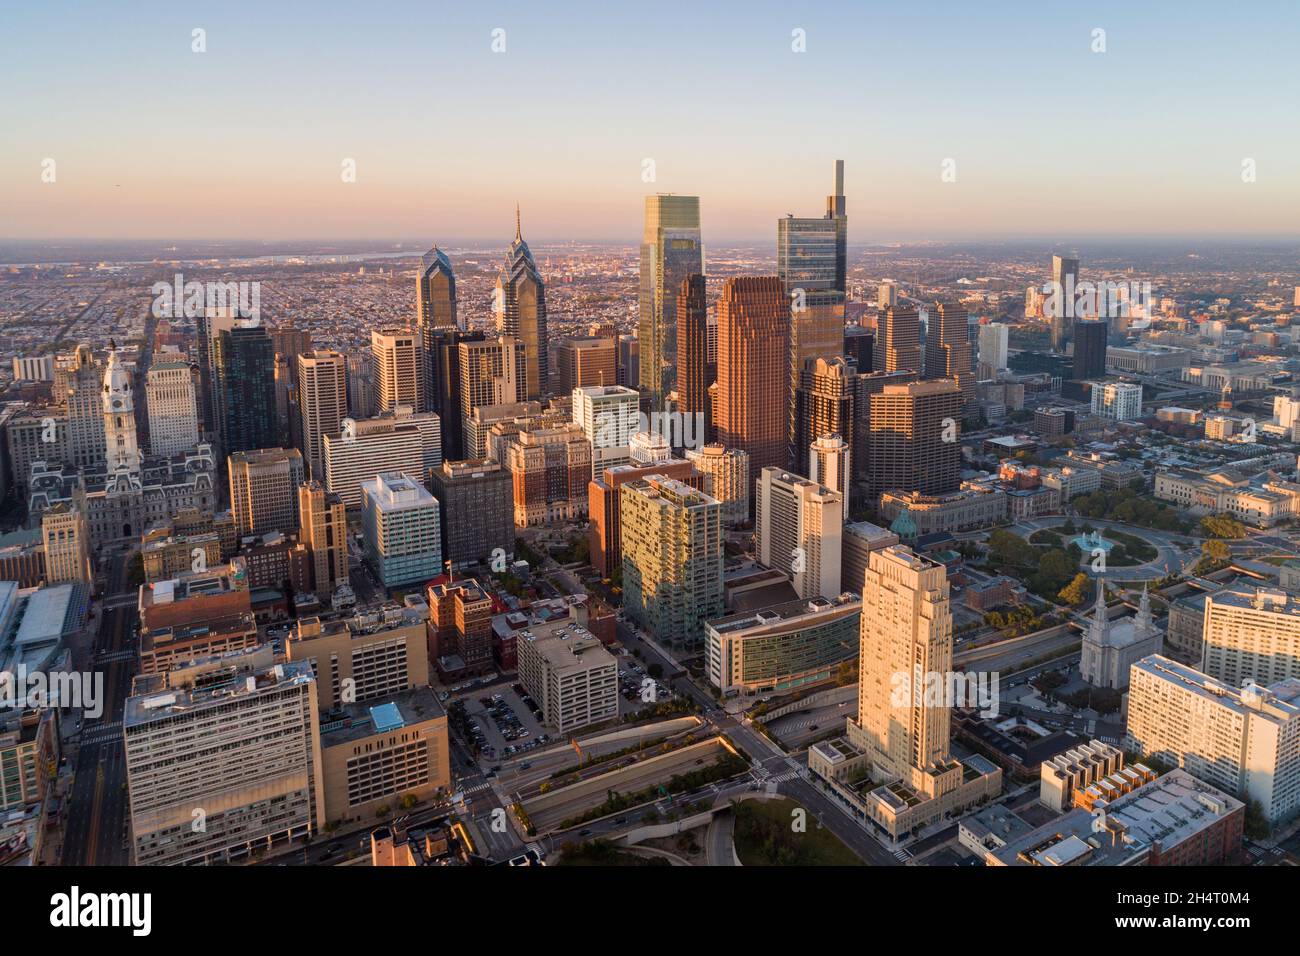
[[570, 674]]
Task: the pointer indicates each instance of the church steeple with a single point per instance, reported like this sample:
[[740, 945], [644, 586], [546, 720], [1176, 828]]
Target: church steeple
[[1143, 620], [1099, 626]]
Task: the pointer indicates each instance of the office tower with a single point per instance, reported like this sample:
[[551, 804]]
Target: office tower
[[671, 250], [67, 545], [828, 463], [33, 368], [370, 655], [550, 469], [208, 326], [823, 405], [672, 559], [914, 439], [85, 409], [1245, 741], [32, 435], [604, 530], [753, 370], [1121, 401], [172, 408], [798, 527], [403, 441], [566, 669], [322, 404], [460, 628], [900, 339], [629, 361], [476, 500], [442, 358], [859, 539], [609, 415], [492, 372], [323, 529], [586, 362], [521, 314], [1251, 635], [490, 427], [886, 294], [1065, 280], [231, 748], [397, 367], [947, 348], [245, 369], [728, 472], [264, 490], [1090, 349], [860, 347], [435, 292], [993, 340], [122, 455], [361, 397], [695, 373], [400, 526]]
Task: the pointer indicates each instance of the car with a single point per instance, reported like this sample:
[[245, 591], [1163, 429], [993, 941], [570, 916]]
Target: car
[[586, 832], [526, 765]]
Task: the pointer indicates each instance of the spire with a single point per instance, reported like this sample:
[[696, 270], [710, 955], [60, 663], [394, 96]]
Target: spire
[[1099, 626], [1143, 620], [518, 231]]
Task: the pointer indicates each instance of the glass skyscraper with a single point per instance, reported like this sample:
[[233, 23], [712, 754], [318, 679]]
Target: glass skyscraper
[[671, 250], [245, 367], [521, 311]]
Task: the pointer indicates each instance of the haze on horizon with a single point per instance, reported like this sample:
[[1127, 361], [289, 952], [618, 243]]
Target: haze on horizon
[[250, 137]]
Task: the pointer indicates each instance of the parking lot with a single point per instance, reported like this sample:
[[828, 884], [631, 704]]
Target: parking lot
[[504, 722]]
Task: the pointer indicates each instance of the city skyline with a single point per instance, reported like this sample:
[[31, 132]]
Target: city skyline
[[253, 136]]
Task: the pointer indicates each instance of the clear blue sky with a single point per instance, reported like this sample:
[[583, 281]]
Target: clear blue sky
[[247, 139]]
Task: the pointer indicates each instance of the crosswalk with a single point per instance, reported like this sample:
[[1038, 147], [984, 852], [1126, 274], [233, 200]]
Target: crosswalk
[[102, 733], [478, 787], [125, 655], [901, 855]]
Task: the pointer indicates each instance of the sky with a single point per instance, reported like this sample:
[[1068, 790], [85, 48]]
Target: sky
[[1037, 133]]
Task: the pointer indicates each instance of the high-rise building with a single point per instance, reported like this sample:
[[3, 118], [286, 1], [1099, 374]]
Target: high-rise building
[[173, 410], [798, 527], [586, 362], [671, 250], [397, 369], [810, 261], [672, 559], [322, 404], [993, 341], [1245, 741], [824, 404], [695, 373], [604, 531], [550, 469], [435, 292], [245, 373], [227, 745], [521, 313], [67, 545], [442, 385], [860, 347], [460, 627], [629, 361], [900, 737], [323, 529], [900, 339], [728, 473], [609, 415], [85, 381], [947, 348], [753, 370], [1065, 280], [476, 499], [399, 520], [1090, 348], [122, 455], [402, 441], [208, 326], [1121, 401], [1251, 635], [829, 463], [914, 439], [492, 372], [264, 490], [886, 294]]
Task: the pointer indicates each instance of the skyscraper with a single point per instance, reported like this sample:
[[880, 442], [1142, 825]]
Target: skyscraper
[[671, 250], [397, 370], [694, 371], [323, 529], [810, 261], [798, 527], [521, 312], [322, 404], [442, 385], [583, 362], [1090, 349], [829, 463], [66, 538], [823, 406], [753, 370], [1065, 279], [947, 347], [403, 537], [264, 490], [245, 367], [85, 409], [914, 442], [208, 325], [993, 340], [492, 372], [900, 339], [435, 293], [608, 416], [173, 409]]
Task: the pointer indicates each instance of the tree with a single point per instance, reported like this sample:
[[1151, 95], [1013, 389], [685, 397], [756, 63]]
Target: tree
[[1216, 550], [1077, 591]]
